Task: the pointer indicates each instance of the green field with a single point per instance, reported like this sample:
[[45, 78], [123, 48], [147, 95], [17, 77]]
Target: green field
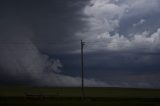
[[59, 96]]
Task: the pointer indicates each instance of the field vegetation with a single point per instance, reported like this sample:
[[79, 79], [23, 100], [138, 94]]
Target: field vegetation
[[60, 96]]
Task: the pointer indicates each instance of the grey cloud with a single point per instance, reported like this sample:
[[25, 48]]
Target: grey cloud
[[106, 18], [142, 21], [54, 23], [30, 30], [21, 62]]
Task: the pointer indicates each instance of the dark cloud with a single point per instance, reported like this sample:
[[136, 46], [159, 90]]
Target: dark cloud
[[54, 23], [25, 28], [38, 38]]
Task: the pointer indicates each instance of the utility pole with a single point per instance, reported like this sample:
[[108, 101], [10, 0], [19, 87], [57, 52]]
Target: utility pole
[[82, 69]]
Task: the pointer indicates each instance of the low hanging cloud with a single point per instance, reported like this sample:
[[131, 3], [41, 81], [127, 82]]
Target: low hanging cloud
[[48, 27], [21, 61]]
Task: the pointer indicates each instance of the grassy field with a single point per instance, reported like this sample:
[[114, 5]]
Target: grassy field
[[47, 96]]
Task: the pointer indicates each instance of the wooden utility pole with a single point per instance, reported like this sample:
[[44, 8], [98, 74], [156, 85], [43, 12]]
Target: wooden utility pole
[[82, 70]]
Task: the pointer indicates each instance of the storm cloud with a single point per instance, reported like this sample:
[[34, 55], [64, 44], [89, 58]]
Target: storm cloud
[[127, 32], [40, 42], [21, 61]]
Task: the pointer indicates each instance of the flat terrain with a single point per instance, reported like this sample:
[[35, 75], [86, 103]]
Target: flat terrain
[[59, 96]]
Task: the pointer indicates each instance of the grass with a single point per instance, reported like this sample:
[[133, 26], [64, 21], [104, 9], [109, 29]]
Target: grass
[[48, 96]]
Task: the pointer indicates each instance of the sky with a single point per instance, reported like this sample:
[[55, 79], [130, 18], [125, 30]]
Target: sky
[[40, 42]]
